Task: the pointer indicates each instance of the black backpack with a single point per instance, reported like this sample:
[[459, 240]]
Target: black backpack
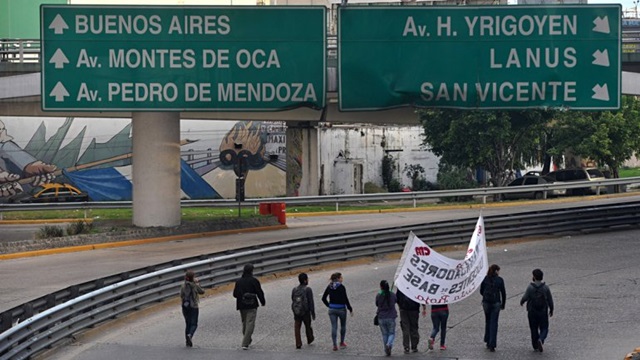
[[491, 293], [299, 304], [538, 300], [187, 297]]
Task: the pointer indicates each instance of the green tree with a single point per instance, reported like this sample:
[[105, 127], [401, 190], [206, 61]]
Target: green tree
[[499, 141], [389, 167], [415, 172], [609, 138]]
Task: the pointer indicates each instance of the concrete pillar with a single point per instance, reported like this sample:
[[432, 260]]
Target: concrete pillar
[[156, 169], [302, 160]]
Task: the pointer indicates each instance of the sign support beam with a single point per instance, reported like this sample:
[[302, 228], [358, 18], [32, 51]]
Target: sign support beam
[[156, 169]]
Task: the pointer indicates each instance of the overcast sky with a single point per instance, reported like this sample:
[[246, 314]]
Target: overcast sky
[[627, 5]]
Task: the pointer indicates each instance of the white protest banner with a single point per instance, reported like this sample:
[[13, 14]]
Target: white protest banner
[[430, 278]]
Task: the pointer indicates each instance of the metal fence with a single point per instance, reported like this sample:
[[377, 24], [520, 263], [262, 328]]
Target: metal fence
[[338, 200], [53, 319]]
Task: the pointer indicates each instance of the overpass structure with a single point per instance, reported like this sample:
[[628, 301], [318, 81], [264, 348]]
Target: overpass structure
[[156, 133]]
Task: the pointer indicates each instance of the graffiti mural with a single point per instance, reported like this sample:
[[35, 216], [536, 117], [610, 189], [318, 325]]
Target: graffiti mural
[[19, 169], [94, 155]]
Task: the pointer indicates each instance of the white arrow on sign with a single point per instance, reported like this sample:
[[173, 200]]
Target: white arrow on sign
[[600, 92], [59, 92], [59, 59], [601, 58], [601, 24], [58, 25]]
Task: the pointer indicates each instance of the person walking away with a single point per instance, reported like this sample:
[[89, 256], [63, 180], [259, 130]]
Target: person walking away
[[338, 304], [409, 320], [439, 317], [190, 292], [387, 314], [494, 297], [247, 292], [539, 309], [303, 309]]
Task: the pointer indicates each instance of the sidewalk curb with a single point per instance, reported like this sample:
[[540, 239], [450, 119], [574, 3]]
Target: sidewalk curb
[[71, 249], [44, 221]]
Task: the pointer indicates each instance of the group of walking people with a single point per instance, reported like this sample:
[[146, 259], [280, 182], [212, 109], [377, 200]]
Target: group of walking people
[[249, 296]]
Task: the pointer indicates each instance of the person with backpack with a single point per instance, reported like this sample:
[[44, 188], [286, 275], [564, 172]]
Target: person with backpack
[[387, 314], [494, 298], [409, 319], [303, 309], [190, 292], [338, 304], [247, 292], [539, 309]]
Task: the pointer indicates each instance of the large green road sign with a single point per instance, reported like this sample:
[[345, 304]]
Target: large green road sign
[[480, 57], [182, 58]]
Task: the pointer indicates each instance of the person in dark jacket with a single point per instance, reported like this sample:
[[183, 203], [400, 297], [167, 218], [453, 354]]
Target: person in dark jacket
[[190, 292], [494, 298], [338, 305], [310, 313], [539, 309], [247, 292], [409, 319], [387, 314]]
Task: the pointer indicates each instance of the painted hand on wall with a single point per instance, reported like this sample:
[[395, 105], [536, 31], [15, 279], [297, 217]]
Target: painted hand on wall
[[17, 164], [39, 173], [9, 184]]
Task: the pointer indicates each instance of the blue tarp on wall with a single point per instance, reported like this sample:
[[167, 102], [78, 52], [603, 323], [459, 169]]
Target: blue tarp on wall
[[111, 185]]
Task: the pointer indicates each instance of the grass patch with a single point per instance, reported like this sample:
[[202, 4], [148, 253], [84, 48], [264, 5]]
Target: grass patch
[[79, 227], [629, 172], [343, 207], [48, 232], [188, 214], [210, 213]]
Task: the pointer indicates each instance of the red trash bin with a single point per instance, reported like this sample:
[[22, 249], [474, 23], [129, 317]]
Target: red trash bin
[[282, 217], [265, 208], [279, 210]]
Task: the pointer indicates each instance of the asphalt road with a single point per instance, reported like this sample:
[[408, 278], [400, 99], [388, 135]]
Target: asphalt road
[[15, 232], [594, 279]]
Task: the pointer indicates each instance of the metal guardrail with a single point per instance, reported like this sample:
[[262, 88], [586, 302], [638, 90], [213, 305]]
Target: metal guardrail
[[48, 321], [338, 199]]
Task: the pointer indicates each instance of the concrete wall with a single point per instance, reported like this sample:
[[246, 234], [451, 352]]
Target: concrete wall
[[366, 145]]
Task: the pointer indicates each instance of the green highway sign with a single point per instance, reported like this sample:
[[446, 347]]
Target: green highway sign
[[490, 57], [182, 58]]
